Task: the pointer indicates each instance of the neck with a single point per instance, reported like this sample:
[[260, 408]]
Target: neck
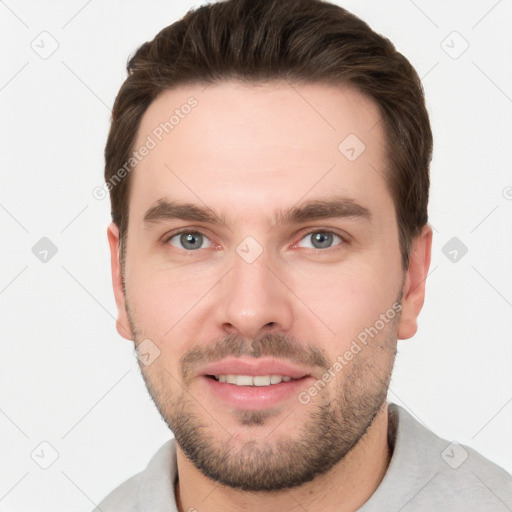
[[345, 487]]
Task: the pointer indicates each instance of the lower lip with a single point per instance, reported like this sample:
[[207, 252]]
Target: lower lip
[[255, 397]]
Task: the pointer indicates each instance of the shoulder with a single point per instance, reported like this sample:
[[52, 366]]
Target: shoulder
[[427, 472], [152, 487], [466, 480], [124, 497]]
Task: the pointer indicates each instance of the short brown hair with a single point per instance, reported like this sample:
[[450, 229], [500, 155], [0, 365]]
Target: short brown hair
[[295, 40]]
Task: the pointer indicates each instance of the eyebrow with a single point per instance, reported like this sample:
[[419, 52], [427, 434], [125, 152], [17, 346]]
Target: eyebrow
[[164, 210], [316, 209]]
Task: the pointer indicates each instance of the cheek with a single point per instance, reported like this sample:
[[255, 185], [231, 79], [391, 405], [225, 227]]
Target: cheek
[[347, 299], [162, 301]]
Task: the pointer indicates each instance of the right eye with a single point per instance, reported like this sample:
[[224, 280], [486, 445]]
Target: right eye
[[189, 240]]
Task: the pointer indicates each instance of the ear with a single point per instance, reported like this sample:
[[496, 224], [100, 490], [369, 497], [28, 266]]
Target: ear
[[414, 285], [122, 323]]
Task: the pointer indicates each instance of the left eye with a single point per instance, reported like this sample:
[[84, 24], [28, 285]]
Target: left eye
[[189, 240], [319, 240]]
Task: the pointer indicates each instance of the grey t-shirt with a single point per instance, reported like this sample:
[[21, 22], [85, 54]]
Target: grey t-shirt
[[426, 473]]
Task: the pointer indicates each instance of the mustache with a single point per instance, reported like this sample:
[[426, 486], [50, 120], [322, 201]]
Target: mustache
[[276, 345]]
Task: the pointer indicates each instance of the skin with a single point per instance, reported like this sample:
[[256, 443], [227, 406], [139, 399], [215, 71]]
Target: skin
[[246, 152]]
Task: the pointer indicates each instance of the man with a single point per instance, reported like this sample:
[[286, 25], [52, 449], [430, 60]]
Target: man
[[268, 168]]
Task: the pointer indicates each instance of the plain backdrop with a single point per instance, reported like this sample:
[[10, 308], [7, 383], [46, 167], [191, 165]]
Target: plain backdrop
[[72, 397]]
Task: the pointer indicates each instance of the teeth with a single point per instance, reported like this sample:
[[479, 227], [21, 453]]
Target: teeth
[[243, 380], [262, 380], [248, 380]]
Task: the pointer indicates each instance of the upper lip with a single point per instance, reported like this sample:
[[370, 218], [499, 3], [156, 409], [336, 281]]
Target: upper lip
[[253, 367]]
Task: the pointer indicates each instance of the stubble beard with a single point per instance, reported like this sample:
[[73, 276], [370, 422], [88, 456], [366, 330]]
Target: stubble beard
[[335, 424]]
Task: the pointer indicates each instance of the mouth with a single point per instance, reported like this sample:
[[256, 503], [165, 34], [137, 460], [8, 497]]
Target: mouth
[[250, 380], [253, 383], [250, 371]]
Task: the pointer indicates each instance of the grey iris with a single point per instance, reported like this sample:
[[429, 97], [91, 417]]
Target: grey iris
[[321, 240], [191, 240]]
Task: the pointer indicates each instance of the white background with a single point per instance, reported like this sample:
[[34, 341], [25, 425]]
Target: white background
[[68, 378]]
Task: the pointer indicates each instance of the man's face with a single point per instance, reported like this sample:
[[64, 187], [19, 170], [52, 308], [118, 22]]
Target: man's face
[[271, 283]]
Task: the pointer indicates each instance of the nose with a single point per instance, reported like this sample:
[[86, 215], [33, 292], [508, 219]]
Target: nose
[[253, 299]]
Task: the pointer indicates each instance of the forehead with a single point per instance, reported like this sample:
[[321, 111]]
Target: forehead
[[259, 146]]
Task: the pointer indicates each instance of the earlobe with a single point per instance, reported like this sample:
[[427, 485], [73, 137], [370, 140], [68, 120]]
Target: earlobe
[[122, 322], [414, 284]]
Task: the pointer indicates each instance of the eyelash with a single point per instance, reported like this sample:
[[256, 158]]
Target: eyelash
[[344, 240]]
